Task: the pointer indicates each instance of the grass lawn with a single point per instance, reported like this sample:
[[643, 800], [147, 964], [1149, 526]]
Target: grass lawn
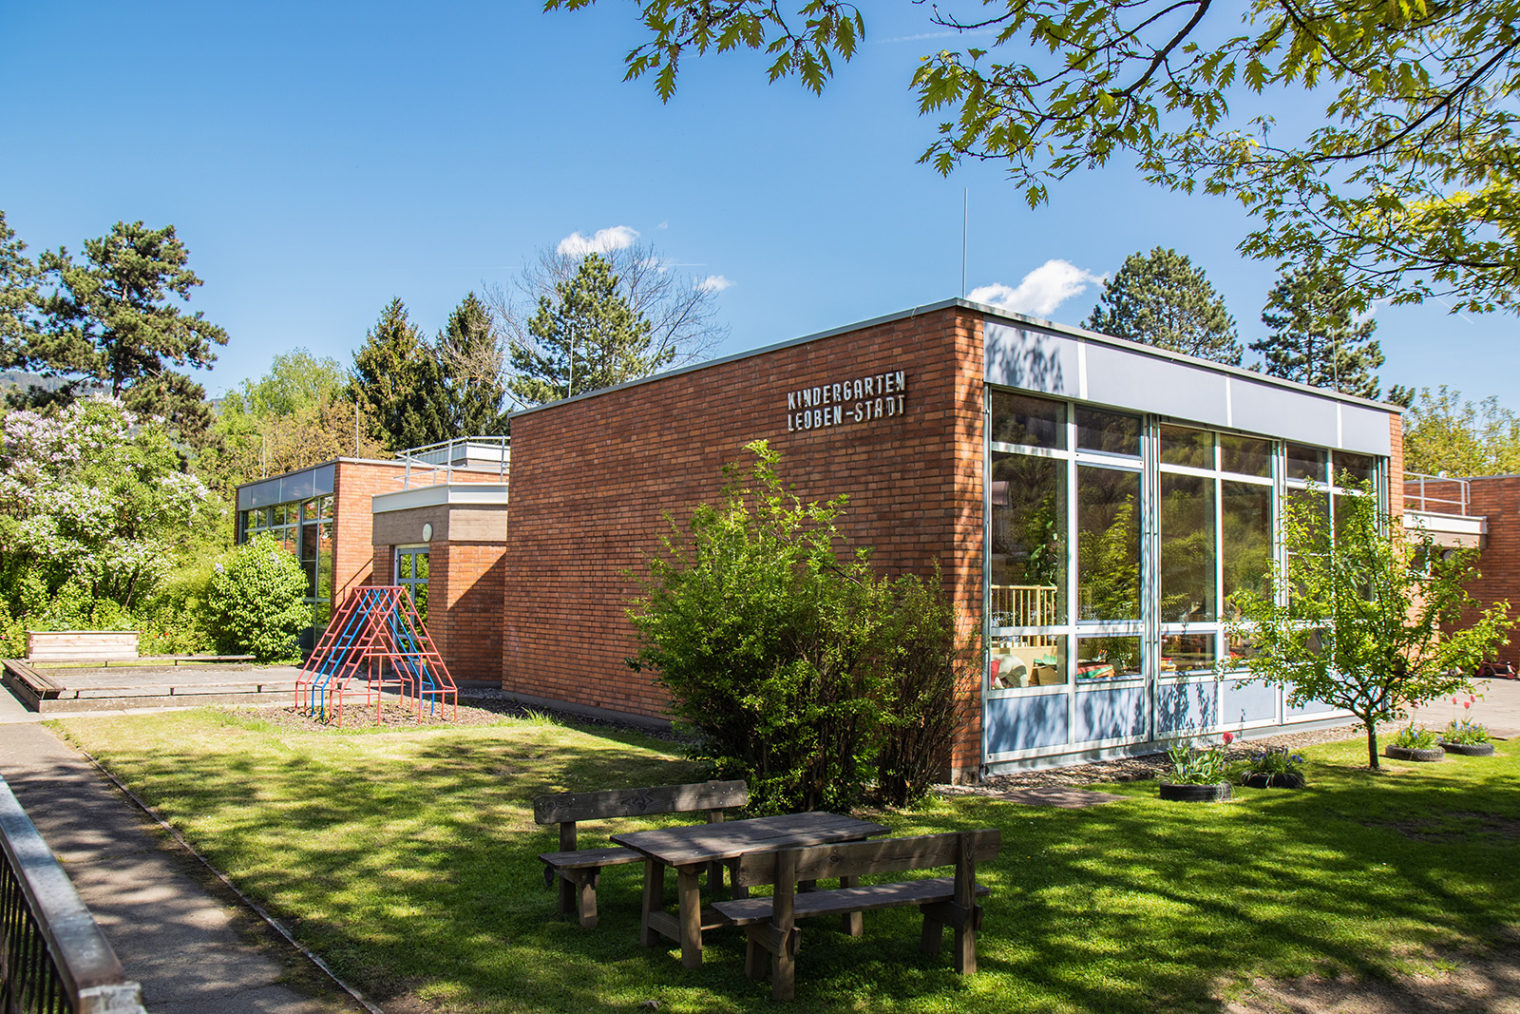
[[407, 860]]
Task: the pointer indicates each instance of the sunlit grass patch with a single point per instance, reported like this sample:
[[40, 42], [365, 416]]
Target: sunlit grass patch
[[407, 858]]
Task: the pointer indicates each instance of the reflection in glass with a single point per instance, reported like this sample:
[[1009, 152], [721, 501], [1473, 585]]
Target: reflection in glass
[[1033, 661], [325, 562], [1245, 455], [1025, 419], [1311, 508], [1103, 658], [1183, 446], [1306, 463], [1361, 468], [420, 589], [1187, 654], [1028, 541], [1242, 646], [1098, 429], [1245, 539], [1108, 544], [1187, 548]]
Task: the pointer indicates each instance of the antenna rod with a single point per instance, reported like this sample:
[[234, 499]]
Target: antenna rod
[[965, 207]]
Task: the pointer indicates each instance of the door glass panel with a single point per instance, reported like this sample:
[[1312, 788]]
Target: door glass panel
[[1187, 548], [1108, 544]]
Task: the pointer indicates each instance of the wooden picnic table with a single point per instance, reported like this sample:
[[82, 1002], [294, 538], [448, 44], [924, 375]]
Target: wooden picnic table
[[694, 847]]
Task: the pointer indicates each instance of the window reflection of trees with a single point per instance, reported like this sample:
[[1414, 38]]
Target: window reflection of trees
[[1108, 544], [1187, 548], [1028, 540]]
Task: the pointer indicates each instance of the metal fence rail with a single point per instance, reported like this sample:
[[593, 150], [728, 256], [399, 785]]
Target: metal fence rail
[[53, 957]]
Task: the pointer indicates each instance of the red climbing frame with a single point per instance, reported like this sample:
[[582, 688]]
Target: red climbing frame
[[378, 635]]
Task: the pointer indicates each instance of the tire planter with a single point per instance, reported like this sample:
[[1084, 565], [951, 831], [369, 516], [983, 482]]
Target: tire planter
[[1274, 781], [1469, 749], [1406, 753], [1213, 792]]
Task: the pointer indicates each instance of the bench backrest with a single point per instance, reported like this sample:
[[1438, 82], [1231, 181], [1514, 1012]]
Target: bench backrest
[[575, 806], [883, 855]]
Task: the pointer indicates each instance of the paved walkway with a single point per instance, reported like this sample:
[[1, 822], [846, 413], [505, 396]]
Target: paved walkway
[[1498, 707], [193, 951]]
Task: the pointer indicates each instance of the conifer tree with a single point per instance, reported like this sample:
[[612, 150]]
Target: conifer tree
[[1315, 337], [1161, 299], [398, 383], [471, 355], [114, 318], [587, 337], [18, 296]]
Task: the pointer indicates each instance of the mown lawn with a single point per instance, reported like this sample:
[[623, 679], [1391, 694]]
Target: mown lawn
[[407, 860]]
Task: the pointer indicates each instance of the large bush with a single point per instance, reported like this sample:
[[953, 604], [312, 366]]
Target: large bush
[[792, 666], [256, 601]]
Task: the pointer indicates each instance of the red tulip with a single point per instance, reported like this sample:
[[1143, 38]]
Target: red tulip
[[1229, 738], [1467, 704]]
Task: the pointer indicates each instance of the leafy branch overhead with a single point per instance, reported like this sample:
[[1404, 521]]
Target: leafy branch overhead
[[1404, 168]]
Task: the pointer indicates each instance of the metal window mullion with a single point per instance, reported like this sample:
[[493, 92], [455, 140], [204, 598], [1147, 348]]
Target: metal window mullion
[[1071, 574]]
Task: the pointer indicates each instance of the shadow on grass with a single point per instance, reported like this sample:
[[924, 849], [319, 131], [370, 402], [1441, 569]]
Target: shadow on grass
[[409, 862]]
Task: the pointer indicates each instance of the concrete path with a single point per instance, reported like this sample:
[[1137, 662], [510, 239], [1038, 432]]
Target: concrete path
[[193, 950], [1498, 707]]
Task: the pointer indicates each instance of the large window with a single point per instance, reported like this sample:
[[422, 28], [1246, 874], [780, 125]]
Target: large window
[[305, 529], [1118, 544]]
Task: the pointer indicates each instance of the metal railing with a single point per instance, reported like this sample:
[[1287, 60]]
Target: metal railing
[[440, 459], [53, 957], [1455, 494]]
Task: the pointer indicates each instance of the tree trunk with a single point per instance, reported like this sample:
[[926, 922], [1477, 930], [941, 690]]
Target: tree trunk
[[1372, 754]]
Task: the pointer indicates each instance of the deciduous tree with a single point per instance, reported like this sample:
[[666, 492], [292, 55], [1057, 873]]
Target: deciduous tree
[[1316, 338], [1406, 168], [1370, 625], [1161, 299], [1446, 435]]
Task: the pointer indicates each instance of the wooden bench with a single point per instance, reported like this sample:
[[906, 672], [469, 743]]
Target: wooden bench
[[579, 870], [80, 645], [944, 901]]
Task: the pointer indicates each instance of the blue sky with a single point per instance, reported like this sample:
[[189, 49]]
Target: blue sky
[[319, 159]]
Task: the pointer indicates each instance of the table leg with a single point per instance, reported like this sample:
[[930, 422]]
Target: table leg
[[853, 924], [690, 902], [654, 900]]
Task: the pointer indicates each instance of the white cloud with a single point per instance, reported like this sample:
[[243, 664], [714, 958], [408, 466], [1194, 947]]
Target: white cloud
[[602, 241], [1040, 292], [714, 283]]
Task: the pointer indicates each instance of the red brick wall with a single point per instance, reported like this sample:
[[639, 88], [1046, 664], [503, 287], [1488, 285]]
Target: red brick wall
[[1498, 499], [1395, 464], [593, 479], [354, 483]]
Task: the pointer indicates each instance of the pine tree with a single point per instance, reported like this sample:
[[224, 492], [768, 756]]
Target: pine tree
[[113, 318], [584, 339], [470, 352], [397, 381], [18, 296], [1315, 337], [1161, 299]]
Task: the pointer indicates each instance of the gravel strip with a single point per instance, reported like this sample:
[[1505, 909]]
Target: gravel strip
[[1136, 769]]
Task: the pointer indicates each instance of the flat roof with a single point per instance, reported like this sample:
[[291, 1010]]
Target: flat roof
[[997, 314]]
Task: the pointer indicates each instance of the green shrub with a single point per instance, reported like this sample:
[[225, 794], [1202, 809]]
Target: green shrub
[[256, 601], [177, 621], [791, 667], [923, 662]]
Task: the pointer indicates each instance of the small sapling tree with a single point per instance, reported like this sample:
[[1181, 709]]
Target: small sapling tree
[[1368, 621]]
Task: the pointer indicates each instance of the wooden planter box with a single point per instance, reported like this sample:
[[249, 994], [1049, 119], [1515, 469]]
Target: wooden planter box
[[80, 645]]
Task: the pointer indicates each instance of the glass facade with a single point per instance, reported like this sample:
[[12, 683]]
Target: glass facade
[[1117, 543], [305, 529]]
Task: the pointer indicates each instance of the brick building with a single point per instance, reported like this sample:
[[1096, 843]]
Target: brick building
[[1481, 512], [1092, 504]]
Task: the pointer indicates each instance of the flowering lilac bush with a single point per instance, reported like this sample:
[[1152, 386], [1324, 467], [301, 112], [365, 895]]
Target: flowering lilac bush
[[95, 507]]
